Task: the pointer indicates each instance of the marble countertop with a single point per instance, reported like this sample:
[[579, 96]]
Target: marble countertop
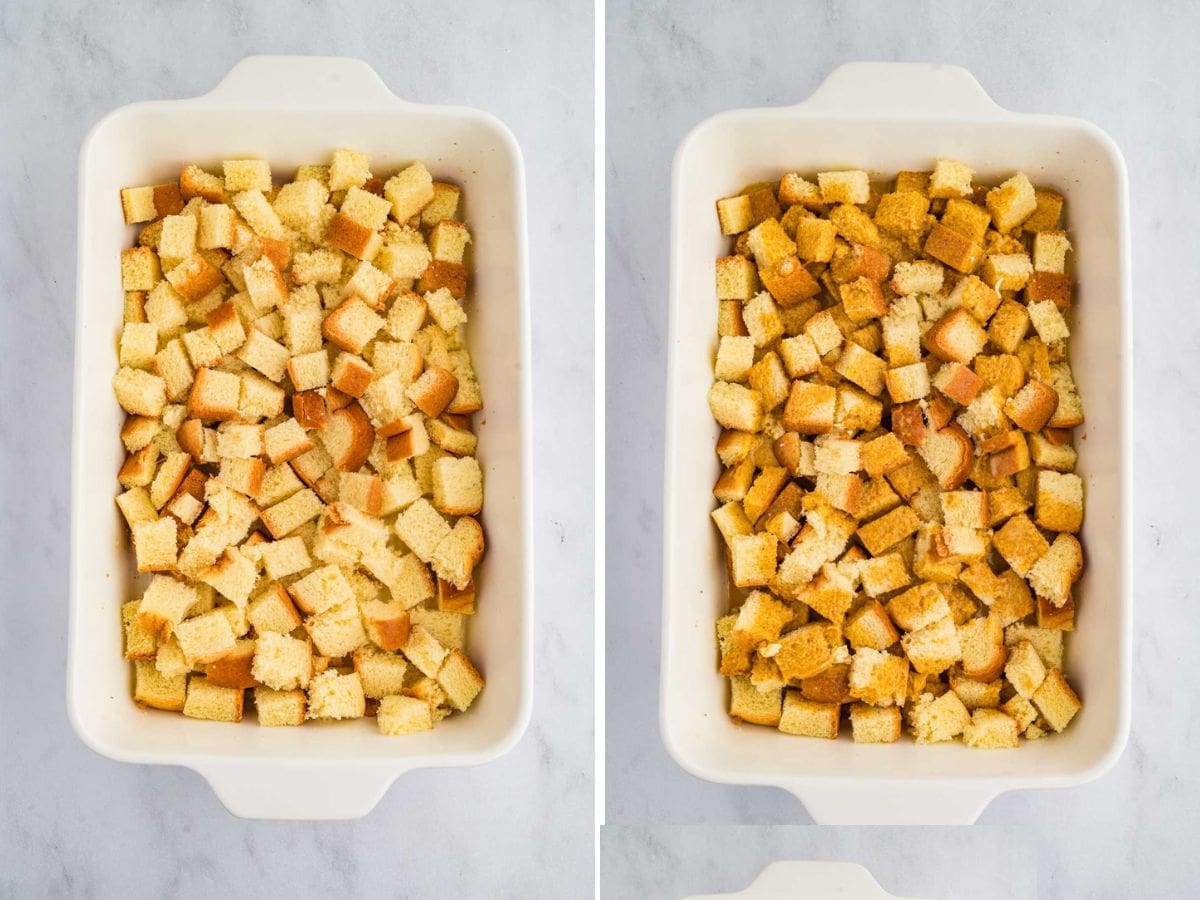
[[75, 824], [1099, 61]]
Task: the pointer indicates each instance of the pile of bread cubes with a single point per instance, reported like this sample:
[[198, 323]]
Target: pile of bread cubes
[[301, 478], [898, 503]]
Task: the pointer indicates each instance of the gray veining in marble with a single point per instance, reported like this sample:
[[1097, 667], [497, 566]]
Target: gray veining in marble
[[670, 66], [75, 824]]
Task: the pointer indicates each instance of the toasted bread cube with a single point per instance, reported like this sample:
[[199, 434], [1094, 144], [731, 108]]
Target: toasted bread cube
[[918, 607], [933, 648], [422, 528], [195, 182], [737, 407], [950, 178], [788, 282], [907, 383], [901, 339], [446, 311], [1047, 641], [1025, 670], [737, 278], [956, 337], [733, 214], [1047, 213], [1057, 569], [1059, 501], [869, 626], [1021, 544], [1007, 271], [874, 724], [762, 320], [975, 694], [152, 688], [990, 729], [136, 506], [878, 678], [457, 486], [863, 300], [139, 392], [921, 276], [880, 535], [882, 575], [1056, 700], [1012, 202], [1048, 321], [967, 219], [365, 208], [137, 205], [387, 624], [1050, 250], [808, 718], [902, 213], [748, 704], [139, 269], [815, 239], [954, 249], [848, 186], [804, 652], [983, 650], [799, 355], [753, 559], [735, 356], [424, 651], [770, 244], [286, 441], [938, 719], [761, 619]]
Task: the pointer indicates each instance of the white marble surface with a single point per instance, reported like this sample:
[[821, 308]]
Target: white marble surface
[[74, 824], [1130, 74]]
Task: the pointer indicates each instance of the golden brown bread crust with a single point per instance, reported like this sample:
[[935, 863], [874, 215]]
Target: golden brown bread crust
[[1033, 406], [441, 274], [454, 599], [349, 437], [349, 236], [233, 669], [167, 201], [436, 393], [954, 472], [789, 282], [308, 408], [391, 632], [191, 438], [908, 423]]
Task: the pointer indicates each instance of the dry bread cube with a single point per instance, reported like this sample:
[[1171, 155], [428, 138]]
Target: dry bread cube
[[849, 186], [332, 695], [950, 178], [1056, 700], [874, 724], [990, 729], [809, 718], [748, 704], [399, 715]]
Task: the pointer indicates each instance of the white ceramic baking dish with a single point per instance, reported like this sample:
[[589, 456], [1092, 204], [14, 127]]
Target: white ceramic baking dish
[[293, 110], [886, 117], [809, 880]]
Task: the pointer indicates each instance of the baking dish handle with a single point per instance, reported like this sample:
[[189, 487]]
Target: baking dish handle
[[283, 790], [300, 82], [901, 89], [910, 803]]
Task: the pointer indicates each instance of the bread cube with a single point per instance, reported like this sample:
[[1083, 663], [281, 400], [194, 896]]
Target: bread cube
[[938, 719], [878, 678], [808, 718], [848, 186], [1056, 700], [874, 724], [1012, 202], [399, 715], [950, 178]]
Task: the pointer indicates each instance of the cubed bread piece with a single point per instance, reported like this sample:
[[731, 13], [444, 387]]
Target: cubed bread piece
[[282, 663], [933, 648], [953, 248], [880, 535], [1025, 670], [332, 695], [400, 715], [804, 652], [815, 239], [273, 611], [206, 700], [847, 186], [809, 718], [155, 546], [874, 724], [1059, 501], [956, 337], [152, 688], [1012, 202], [1050, 250], [460, 680], [1020, 544], [984, 653], [748, 704], [381, 673], [753, 559], [738, 407], [1057, 569], [950, 178], [205, 638], [280, 708], [991, 729], [1056, 700], [907, 383], [287, 515], [870, 626], [938, 719], [1007, 271], [409, 191], [878, 678]]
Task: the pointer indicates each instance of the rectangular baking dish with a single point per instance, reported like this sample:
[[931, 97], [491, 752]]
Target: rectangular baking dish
[[293, 110], [885, 117]]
